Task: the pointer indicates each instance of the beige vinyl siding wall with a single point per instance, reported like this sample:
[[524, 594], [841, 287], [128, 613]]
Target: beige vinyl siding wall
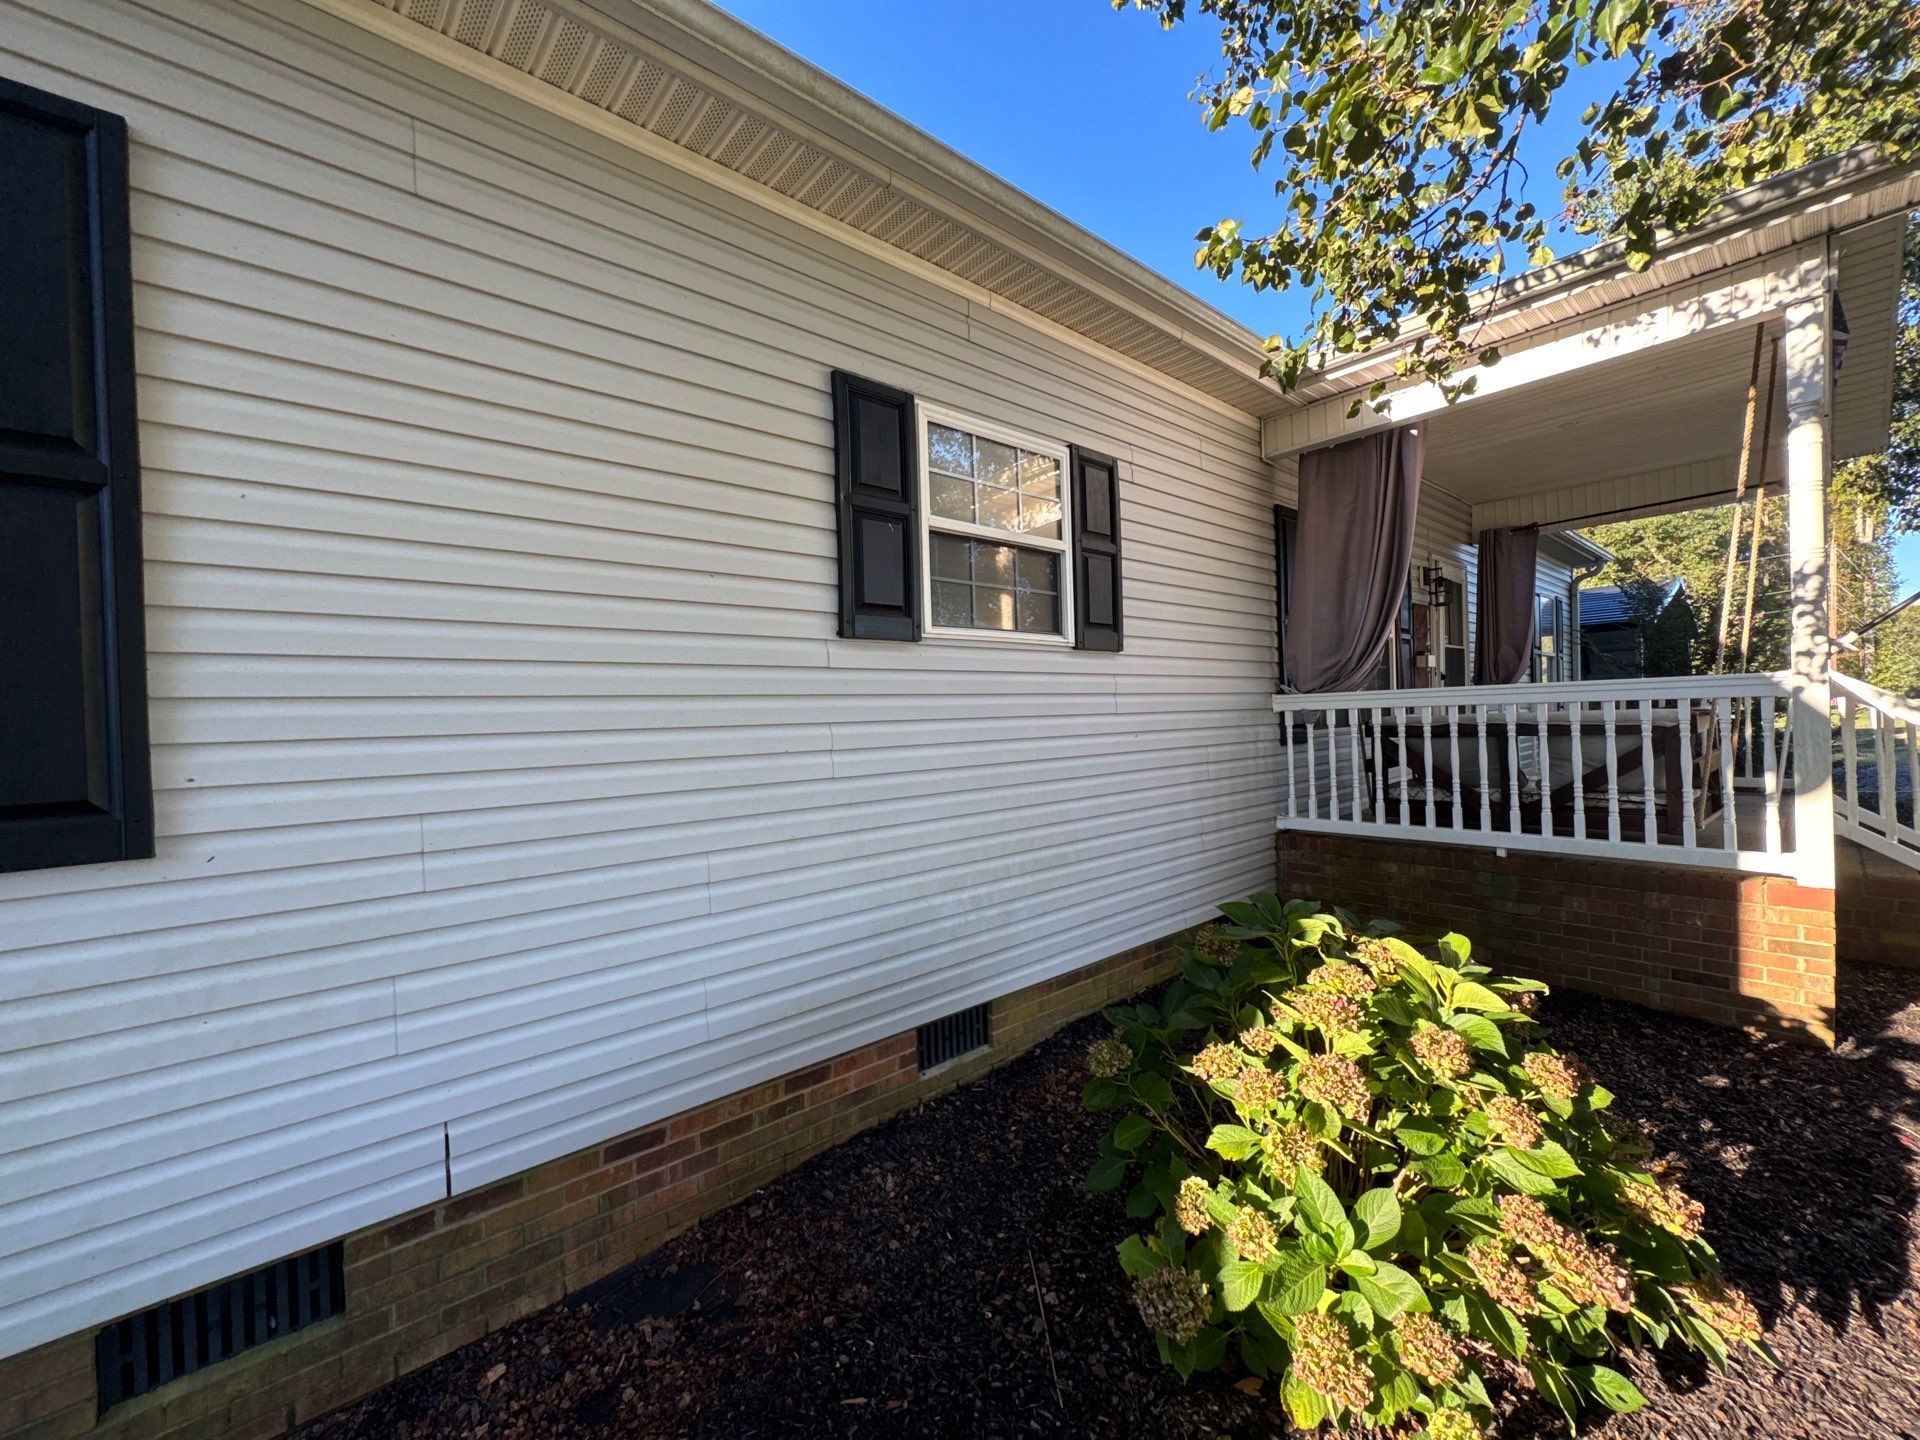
[[512, 788]]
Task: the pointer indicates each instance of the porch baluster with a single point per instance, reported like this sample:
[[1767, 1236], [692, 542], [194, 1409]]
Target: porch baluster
[[1486, 790], [1578, 751], [1885, 773], [1313, 785], [1683, 707], [1510, 714], [1613, 771], [1544, 764], [1379, 768], [1651, 826], [1850, 757], [1406, 770], [1913, 775], [1453, 734], [1730, 818], [1353, 757], [1426, 759], [1771, 791]]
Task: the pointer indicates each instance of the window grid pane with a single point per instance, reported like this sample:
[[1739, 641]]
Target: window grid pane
[[991, 483], [980, 585]]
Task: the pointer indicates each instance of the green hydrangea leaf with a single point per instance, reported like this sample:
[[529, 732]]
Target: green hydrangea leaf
[[1551, 1159], [1391, 1290], [1233, 1142], [1443, 1171], [1304, 1406], [1419, 1137], [1480, 1032], [1107, 1173], [1319, 1206], [1240, 1282], [1132, 1132], [1470, 995], [1297, 1289], [1610, 1388], [1514, 1172], [1377, 1213], [1136, 1259]]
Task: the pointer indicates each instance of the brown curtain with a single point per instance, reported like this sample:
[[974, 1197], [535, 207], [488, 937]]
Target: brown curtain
[[1504, 615], [1352, 545]]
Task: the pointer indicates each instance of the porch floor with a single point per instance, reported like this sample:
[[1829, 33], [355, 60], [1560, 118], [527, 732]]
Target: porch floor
[[948, 1275]]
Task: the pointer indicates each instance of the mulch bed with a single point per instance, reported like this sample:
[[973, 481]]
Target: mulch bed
[[946, 1275]]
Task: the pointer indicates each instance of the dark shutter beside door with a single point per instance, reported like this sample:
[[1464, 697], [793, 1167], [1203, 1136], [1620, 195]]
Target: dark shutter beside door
[[74, 784], [876, 456], [1096, 551]]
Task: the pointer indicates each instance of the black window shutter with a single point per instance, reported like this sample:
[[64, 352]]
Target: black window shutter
[[876, 460], [74, 783], [1096, 551]]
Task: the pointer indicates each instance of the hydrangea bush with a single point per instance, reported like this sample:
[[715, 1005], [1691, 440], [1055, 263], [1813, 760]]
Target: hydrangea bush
[[1367, 1174]]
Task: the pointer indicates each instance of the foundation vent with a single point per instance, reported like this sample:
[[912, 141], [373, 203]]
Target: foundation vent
[[143, 1352], [952, 1036]]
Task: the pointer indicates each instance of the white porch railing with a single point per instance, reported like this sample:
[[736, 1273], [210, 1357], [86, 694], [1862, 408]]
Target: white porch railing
[[1879, 750], [1693, 770]]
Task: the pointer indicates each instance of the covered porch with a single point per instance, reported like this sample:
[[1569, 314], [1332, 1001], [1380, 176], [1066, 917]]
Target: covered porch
[[1622, 394]]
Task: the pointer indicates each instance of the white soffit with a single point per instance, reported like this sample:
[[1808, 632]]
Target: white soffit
[[752, 108]]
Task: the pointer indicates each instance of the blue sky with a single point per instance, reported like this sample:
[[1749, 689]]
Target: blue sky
[[1086, 109]]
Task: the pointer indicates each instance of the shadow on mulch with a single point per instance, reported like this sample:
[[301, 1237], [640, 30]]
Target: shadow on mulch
[[947, 1275]]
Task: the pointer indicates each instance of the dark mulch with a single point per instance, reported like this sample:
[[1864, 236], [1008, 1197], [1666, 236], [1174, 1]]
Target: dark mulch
[[946, 1274]]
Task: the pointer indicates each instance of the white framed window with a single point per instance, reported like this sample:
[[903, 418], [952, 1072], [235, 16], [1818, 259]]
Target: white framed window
[[996, 531]]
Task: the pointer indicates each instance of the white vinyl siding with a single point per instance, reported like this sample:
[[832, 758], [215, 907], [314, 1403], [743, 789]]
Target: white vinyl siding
[[512, 790]]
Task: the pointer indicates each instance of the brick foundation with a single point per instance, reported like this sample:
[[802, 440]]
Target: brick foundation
[[446, 1275], [1736, 949], [1878, 910]]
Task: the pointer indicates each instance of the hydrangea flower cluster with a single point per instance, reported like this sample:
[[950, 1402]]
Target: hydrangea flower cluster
[[1323, 1356], [1109, 1057], [1257, 1088], [1174, 1302], [1666, 1205], [1444, 1052], [1336, 1082], [1504, 1281], [1427, 1348], [1559, 1077], [1261, 1040], [1514, 1121], [1378, 957], [1252, 1235], [1217, 1062], [1190, 1205], [1333, 1013], [1344, 977], [1587, 1273], [1285, 1150], [1725, 1308], [1452, 1424]]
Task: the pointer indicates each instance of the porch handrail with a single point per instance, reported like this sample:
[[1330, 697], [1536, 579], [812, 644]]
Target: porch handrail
[[1689, 769], [1892, 739], [1546, 692]]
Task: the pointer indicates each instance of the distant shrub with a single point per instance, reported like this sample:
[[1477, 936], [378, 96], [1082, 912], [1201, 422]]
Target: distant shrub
[[1367, 1170]]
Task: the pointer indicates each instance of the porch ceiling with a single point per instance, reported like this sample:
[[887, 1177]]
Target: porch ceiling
[[1677, 405]]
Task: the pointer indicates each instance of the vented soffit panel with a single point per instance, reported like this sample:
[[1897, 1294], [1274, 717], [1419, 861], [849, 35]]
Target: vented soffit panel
[[684, 72]]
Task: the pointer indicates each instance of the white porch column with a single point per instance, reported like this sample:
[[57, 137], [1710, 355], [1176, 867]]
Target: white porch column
[[1806, 350]]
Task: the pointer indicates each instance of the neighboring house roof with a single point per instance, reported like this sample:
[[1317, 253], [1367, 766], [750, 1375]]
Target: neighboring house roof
[[1606, 605]]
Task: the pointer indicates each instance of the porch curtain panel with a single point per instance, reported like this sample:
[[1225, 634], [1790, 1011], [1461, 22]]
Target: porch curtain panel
[[1353, 542], [1504, 615]]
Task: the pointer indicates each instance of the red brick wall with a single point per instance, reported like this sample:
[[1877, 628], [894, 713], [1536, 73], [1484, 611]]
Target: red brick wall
[[444, 1276], [1878, 910], [1737, 949]]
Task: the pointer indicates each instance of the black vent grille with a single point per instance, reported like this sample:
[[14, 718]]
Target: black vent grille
[[952, 1036], [145, 1351]]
